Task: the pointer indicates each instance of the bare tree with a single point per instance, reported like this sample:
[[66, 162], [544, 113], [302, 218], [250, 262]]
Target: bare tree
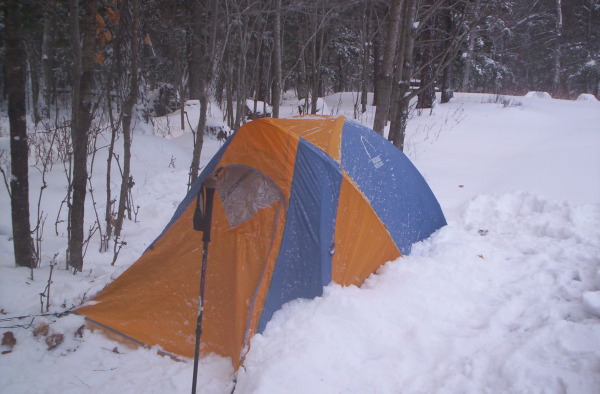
[[387, 68], [83, 80], [19, 181], [128, 105], [47, 79], [429, 47], [468, 54], [276, 94], [367, 41], [203, 51], [556, 82], [404, 69]]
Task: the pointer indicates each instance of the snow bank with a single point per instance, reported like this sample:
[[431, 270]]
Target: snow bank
[[262, 109], [540, 95], [170, 125], [322, 107], [587, 97], [492, 303], [545, 147], [591, 302], [503, 299]]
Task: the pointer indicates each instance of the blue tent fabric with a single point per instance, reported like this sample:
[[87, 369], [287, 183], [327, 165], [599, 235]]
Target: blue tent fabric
[[308, 236], [394, 187]]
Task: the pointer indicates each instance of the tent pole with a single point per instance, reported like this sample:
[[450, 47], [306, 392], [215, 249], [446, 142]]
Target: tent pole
[[202, 222]]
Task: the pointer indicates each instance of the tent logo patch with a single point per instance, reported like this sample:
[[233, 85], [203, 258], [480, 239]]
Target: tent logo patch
[[377, 162], [374, 158]]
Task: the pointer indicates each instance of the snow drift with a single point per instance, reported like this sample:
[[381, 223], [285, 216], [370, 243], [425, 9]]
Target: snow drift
[[503, 299]]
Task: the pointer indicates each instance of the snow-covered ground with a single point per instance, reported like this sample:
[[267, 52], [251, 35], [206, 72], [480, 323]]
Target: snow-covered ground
[[505, 299]]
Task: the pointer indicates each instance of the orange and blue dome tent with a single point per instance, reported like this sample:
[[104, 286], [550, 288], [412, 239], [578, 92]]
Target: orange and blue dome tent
[[299, 203]]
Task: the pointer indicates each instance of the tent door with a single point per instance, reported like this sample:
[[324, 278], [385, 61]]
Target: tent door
[[247, 229]]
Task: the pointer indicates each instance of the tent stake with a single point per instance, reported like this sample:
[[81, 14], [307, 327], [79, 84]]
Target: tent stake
[[202, 222]]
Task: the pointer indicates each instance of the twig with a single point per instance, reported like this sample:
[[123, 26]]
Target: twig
[[82, 382], [91, 190], [25, 326], [4, 176], [116, 249], [91, 233]]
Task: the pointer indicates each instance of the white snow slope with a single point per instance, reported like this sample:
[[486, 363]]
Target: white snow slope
[[505, 299]]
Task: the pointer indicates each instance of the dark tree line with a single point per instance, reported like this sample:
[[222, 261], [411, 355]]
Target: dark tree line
[[111, 61]]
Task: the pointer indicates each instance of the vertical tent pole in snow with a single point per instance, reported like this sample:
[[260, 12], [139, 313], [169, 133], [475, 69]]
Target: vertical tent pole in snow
[[202, 222]]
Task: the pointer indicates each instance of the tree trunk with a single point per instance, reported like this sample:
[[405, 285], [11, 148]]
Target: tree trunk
[[196, 48], [447, 91], [426, 98], [258, 64], [47, 77], [195, 167], [206, 53], [315, 64], [448, 73], [32, 55], [376, 68], [398, 124], [19, 181], [365, 61], [199, 89], [199, 141], [229, 93], [556, 88], [276, 92], [108, 214], [260, 94], [128, 105], [241, 74], [83, 79], [387, 68], [466, 80]]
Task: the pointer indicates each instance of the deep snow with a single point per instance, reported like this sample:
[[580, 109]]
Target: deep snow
[[506, 298]]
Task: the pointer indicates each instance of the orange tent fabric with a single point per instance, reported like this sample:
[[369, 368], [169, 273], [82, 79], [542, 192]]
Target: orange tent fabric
[[300, 203]]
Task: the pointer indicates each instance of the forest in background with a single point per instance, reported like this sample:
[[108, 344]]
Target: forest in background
[[74, 69], [238, 49]]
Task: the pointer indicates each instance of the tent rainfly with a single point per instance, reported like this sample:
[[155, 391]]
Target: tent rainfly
[[299, 203]]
